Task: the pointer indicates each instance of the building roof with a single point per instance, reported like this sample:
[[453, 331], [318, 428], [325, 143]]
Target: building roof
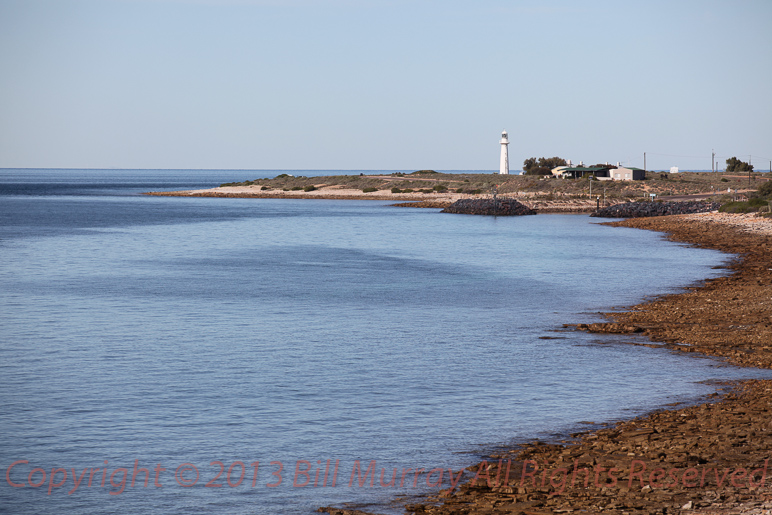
[[583, 169]]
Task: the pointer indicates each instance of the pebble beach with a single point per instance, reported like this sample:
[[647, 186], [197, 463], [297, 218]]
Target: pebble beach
[[710, 458]]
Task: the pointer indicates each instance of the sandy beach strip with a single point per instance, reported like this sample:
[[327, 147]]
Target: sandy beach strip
[[328, 192], [414, 199], [712, 458]]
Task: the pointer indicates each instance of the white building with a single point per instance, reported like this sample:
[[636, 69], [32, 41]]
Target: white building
[[624, 174], [504, 163]]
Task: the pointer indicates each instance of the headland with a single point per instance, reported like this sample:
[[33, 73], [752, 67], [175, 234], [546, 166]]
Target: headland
[[427, 188]]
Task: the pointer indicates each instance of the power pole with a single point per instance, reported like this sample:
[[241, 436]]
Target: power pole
[[713, 161], [644, 162]]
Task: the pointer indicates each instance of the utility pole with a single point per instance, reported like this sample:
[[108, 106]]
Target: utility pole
[[644, 162], [713, 161]]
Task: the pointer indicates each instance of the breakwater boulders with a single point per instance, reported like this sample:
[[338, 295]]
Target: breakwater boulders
[[644, 209], [488, 206]]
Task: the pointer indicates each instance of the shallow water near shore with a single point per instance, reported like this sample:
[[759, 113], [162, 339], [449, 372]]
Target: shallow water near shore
[[157, 330]]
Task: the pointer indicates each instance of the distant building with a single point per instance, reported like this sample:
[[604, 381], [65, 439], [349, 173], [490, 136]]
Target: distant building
[[575, 172], [673, 169], [602, 173], [627, 174]]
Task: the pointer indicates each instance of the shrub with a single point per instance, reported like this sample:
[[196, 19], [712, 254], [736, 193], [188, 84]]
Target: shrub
[[765, 190], [407, 190], [369, 190], [757, 202], [396, 190], [265, 188], [460, 190], [736, 207], [439, 187], [310, 187], [475, 192], [724, 179], [425, 190], [297, 188]]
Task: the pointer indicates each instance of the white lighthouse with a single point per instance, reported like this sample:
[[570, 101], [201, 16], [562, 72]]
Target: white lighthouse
[[504, 164]]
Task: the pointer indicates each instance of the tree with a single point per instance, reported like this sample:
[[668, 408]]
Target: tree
[[529, 164], [735, 165], [542, 166]]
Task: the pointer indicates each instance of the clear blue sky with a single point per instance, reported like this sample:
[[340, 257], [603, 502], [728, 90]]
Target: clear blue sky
[[382, 84]]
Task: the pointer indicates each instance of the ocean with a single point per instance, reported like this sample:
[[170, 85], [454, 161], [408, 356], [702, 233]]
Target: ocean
[[169, 355]]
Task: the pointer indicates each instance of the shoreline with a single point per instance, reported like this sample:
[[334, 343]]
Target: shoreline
[[438, 200], [708, 458]]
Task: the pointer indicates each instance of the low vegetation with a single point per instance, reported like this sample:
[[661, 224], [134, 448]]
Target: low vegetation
[[759, 201], [722, 186]]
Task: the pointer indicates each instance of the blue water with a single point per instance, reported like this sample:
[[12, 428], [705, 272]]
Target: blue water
[[152, 330]]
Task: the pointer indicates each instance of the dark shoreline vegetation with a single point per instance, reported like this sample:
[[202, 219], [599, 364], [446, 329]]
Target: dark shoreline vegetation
[[645, 209]]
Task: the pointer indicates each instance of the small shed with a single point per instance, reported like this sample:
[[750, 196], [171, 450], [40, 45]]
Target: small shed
[[628, 174]]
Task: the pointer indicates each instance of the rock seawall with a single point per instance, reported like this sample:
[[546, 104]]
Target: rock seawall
[[487, 206], [645, 209]]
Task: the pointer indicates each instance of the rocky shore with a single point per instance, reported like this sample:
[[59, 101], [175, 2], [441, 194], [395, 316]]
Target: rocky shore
[[711, 458], [647, 209]]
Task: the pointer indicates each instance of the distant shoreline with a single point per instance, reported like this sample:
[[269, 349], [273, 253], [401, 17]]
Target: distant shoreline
[[427, 188], [420, 200]]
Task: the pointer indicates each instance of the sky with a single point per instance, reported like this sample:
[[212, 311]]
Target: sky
[[383, 84]]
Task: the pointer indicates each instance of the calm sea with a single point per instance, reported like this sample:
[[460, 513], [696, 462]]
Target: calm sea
[[195, 342]]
